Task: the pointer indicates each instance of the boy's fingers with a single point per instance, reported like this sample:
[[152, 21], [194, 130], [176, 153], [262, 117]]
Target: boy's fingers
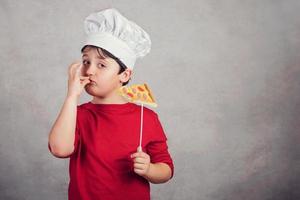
[[138, 170], [140, 160], [134, 155], [78, 69], [73, 67], [85, 82], [138, 154], [83, 78], [140, 166]]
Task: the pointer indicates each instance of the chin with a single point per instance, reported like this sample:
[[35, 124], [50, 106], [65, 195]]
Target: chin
[[94, 92], [91, 91]]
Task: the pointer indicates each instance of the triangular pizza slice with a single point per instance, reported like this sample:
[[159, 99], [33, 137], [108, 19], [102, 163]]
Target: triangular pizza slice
[[139, 93]]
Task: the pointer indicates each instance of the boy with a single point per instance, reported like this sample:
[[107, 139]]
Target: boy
[[101, 136]]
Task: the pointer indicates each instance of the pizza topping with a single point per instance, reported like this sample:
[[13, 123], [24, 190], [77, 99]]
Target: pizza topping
[[139, 95], [134, 90], [140, 89], [129, 94], [145, 96]]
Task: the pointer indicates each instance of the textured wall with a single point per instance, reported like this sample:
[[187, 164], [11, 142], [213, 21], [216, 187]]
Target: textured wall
[[226, 75]]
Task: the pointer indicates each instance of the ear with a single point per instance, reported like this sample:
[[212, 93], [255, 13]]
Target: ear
[[126, 75]]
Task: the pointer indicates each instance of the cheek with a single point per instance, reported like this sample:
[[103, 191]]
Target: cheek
[[108, 76], [108, 80]]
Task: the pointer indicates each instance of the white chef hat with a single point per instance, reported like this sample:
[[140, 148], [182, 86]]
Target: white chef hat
[[123, 38]]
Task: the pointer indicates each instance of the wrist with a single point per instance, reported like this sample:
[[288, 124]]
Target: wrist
[[147, 175], [72, 98]]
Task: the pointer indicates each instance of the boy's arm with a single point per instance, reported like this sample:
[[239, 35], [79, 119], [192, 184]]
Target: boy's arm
[[158, 173], [62, 134], [161, 168]]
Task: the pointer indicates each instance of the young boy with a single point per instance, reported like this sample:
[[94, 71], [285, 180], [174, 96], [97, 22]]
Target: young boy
[[101, 136]]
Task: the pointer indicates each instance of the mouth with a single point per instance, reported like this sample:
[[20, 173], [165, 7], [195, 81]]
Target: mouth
[[92, 83]]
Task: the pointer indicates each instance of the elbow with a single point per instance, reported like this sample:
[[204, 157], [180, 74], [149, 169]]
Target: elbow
[[167, 175], [170, 171], [159, 181], [60, 152]]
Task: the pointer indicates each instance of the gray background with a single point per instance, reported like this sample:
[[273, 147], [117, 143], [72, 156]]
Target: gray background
[[226, 76]]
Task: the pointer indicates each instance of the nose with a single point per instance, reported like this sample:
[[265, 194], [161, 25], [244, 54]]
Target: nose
[[90, 70]]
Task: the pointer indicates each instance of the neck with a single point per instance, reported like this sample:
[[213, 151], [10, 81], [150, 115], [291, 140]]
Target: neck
[[113, 98]]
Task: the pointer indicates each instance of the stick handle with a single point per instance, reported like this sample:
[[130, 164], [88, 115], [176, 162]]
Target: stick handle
[[141, 128], [139, 149]]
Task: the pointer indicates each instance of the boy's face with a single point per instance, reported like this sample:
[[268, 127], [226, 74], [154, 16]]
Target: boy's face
[[103, 73]]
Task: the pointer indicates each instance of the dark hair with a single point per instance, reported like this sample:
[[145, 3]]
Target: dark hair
[[104, 53]]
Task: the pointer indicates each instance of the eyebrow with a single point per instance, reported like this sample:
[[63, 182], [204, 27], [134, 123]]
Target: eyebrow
[[101, 58]]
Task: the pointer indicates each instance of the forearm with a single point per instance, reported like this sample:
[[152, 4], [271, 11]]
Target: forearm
[[62, 134], [158, 173]]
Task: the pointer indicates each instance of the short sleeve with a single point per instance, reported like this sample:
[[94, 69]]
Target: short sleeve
[[158, 147]]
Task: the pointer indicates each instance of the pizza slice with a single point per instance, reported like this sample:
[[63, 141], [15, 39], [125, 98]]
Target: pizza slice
[[138, 93]]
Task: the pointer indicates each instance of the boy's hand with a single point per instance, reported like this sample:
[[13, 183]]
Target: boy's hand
[[141, 163], [76, 81]]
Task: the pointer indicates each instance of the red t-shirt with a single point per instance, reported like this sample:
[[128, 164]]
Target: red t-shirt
[[105, 137]]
